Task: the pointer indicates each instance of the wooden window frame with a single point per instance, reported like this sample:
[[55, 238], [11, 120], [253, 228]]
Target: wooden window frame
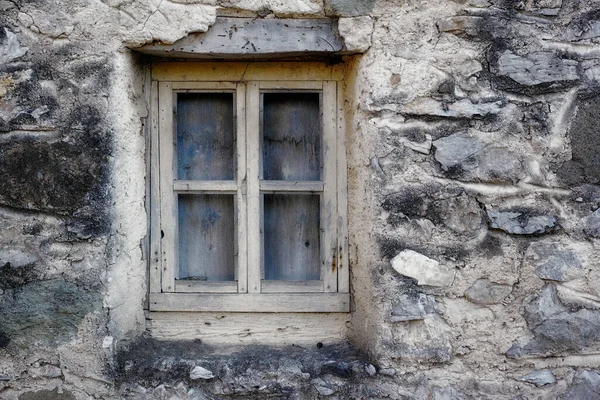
[[249, 293]]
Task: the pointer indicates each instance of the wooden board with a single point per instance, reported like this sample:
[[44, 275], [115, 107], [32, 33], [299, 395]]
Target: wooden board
[[206, 287], [182, 186], [168, 200], [241, 205], [253, 190], [248, 38], [291, 237], [251, 302], [206, 237], [292, 287], [342, 198], [155, 256], [205, 136], [246, 71], [312, 187], [291, 136], [329, 268], [239, 328]]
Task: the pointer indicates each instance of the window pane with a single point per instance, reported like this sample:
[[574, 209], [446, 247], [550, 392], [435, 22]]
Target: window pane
[[205, 136], [206, 237], [291, 136], [291, 237]]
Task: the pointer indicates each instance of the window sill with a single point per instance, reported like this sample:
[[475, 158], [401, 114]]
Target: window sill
[[251, 302]]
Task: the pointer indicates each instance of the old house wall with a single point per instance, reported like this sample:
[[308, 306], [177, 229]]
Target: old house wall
[[473, 194]]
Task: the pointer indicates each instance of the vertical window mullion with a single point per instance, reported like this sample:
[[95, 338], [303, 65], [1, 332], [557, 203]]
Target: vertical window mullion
[[155, 256], [329, 200], [241, 177], [342, 201], [168, 197], [253, 191]]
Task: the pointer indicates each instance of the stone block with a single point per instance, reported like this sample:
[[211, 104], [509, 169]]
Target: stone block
[[349, 8], [46, 313], [45, 371], [458, 150], [585, 25], [356, 33], [412, 306], [522, 221], [486, 292], [537, 68], [464, 108], [460, 214], [585, 386], [584, 166], [10, 48], [553, 260], [469, 157], [556, 328], [540, 377], [426, 271], [199, 372], [48, 395], [461, 25]]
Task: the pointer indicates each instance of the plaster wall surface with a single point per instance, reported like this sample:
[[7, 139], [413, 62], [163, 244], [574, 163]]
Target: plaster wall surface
[[473, 203]]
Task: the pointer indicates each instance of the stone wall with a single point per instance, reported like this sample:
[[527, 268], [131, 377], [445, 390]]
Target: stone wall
[[473, 204]]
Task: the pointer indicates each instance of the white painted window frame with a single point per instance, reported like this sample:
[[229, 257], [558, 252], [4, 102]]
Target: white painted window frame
[[249, 293]]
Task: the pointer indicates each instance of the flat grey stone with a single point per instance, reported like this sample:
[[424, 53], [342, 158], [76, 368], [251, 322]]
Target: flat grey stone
[[485, 292], [554, 261], [322, 387], [457, 149], [539, 377], [412, 306], [349, 8], [45, 371], [544, 306], [6, 5], [521, 222], [17, 257], [370, 370], [199, 372], [46, 313], [473, 158], [586, 386], [464, 108], [591, 224], [536, 68], [10, 48], [555, 328]]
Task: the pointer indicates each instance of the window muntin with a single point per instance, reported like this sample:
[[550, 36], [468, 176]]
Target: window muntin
[[279, 198]]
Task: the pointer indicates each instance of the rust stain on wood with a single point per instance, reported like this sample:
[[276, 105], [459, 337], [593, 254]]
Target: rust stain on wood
[[334, 260]]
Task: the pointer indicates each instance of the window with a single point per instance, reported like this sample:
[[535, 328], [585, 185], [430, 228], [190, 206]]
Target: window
[[248, 188]]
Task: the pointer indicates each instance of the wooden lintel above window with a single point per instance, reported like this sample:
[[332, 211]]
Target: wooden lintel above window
[[255, 38]]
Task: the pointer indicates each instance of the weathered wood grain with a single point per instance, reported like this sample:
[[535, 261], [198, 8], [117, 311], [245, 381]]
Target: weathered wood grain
[[168, 199], [187, 186], [329, 269], [247, 71], [292, 286], [205, 136], [251, 302], [239, 328], [292, 237], [155, 256], [206, 237], [249, 38]]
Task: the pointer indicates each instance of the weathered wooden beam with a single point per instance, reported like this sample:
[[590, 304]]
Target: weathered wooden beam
[[247, 38]]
